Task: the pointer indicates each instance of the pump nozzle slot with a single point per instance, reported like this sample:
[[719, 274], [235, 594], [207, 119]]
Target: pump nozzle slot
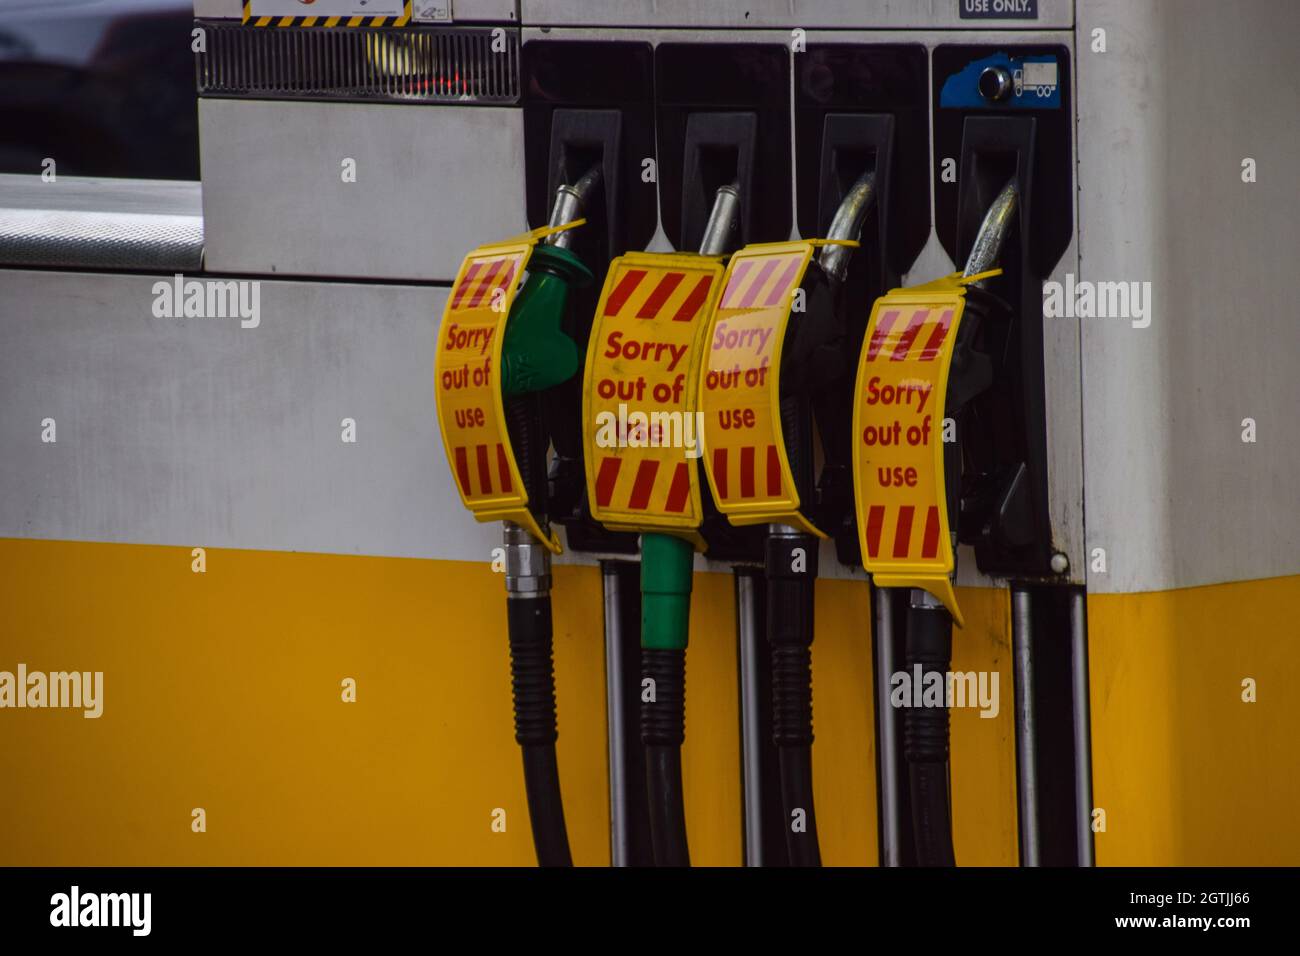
[[666, 578]]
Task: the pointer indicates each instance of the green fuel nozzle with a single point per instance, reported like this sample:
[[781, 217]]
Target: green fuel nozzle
[[536, 354], [666, 560]]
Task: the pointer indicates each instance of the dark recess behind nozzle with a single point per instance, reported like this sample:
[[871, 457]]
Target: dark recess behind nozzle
[[587, 103], [1004, 511], [857, 108]]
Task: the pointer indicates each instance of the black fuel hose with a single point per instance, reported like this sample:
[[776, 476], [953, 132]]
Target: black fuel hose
[[533, 680], [663, 730], [532, 674], [925, 737], [790, 636]]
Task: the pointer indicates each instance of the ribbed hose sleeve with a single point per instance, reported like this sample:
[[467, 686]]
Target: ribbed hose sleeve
[[791, 572], [663, 729], [533, 680], [925, 738]]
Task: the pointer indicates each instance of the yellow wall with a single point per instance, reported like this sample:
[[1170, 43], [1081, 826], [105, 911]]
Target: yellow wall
[[1186, 771], [222, 691]]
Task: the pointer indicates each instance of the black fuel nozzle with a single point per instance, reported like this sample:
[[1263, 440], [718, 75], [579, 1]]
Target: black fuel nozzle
[[974, 484], [817, 369]]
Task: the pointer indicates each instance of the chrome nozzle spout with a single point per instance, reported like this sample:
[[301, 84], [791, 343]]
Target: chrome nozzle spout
[[570, 203], [986, 251], [847, 224], [724, 222]]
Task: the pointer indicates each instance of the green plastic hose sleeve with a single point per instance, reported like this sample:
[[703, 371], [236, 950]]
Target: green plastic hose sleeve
[[666, 564]]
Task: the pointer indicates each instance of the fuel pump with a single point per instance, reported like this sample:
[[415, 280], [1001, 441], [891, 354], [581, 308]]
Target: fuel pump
[[775, 344], [644, 354], [921, 354], [498, 352], [571, 123], [1012, 204]]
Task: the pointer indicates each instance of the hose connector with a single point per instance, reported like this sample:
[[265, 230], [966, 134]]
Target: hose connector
[[528, 564]]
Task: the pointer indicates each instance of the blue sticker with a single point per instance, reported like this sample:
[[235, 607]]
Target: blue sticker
[[1035, 84]]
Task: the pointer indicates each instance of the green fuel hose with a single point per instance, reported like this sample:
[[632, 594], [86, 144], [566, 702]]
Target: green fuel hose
[[666, 563]]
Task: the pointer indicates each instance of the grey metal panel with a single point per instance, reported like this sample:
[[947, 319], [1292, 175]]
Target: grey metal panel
[[199, 432], [165, 197], [219, 9], [807, 14], [432, 182], [473, 11], [1166, 116]]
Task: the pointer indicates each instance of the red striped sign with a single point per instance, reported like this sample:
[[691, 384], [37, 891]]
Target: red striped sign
[[741, 475], [467, 384], [739, 392], [643, 481], [482, 281], [490, 474], [892, 530], [763, 282], [893, 340], [898, 426], [640, 430]]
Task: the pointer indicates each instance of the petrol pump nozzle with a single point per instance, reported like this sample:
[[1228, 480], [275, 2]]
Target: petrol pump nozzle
[[667, 563], [929, 625], [814, 368], [536, 355]]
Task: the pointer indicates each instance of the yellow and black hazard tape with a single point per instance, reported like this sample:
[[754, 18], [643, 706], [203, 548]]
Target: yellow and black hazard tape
[[398, 21]]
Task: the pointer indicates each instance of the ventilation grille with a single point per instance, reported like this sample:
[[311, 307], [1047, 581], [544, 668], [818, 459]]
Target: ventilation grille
[[426, 64]]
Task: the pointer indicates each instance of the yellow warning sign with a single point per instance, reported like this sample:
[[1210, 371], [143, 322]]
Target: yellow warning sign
[[471, 410], [326, 13], [639, 405], [898, 417], [744, 452]]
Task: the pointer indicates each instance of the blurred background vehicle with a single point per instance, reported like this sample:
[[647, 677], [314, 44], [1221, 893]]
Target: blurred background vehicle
[[102, 87]]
